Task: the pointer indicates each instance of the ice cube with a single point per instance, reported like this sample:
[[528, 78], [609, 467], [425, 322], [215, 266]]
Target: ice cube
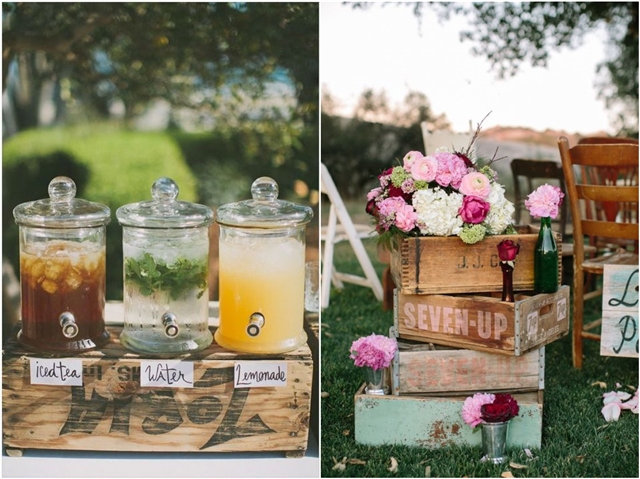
[[49, 286]]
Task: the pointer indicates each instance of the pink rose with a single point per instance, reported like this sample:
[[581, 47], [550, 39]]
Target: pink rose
[[473, 210], [544, 201], [451, 169], [410, 158], [475, 184], [424, 168]]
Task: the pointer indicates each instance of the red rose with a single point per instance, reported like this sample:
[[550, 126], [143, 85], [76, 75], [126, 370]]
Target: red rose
[[509, 401], [474, 209], [508, 250], [466, 159], [371, 208], [495, 412]]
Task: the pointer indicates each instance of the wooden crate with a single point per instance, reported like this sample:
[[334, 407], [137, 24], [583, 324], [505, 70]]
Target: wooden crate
[[111, 411], [483, 323], [420, 368], [447, 265], [434, 422]]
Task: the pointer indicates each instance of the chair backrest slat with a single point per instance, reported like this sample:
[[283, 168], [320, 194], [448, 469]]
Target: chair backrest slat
[[604, 196]]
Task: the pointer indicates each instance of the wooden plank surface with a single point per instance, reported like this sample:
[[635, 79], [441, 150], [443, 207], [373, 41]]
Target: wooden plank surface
[[483, 323], [447, 265], [463, 370], [620, 325], [112, 412], [435, 422]]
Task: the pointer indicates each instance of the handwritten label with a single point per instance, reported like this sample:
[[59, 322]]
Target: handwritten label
[[259, 374], [56, 372], [620, 325], [166, 373]]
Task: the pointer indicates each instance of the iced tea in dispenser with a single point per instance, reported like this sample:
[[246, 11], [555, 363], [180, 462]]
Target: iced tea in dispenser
[[62, 270]]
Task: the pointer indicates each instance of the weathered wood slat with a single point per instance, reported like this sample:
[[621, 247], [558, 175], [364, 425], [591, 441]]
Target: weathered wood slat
[[435, 422], [447, 265], [112, 412], [462, 370], [483, 323]]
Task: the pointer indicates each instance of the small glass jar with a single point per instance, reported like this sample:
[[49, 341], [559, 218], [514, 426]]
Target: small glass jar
[[166, 267], [62, 270], [262, 272]]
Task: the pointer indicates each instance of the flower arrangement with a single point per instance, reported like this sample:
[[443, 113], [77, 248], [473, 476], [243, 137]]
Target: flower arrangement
[[488, 408], [446, 193], [544, 201], [374, 351]]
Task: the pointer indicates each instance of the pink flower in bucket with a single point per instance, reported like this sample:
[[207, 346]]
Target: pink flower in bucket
[[374, 351]]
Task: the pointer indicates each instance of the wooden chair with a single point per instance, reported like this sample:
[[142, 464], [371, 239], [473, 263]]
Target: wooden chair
[[605, 210], [340, 228], [443, 138], [615, 162]]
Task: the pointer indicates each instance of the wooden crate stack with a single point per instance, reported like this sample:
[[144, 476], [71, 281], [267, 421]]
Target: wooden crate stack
[[456, 338]]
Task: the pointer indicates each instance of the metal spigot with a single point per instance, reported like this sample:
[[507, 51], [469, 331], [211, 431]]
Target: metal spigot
[[170, 323], [69, 326], [256, 322]]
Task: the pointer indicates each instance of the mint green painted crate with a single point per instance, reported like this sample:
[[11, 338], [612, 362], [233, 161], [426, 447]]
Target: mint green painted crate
[[434, 422]]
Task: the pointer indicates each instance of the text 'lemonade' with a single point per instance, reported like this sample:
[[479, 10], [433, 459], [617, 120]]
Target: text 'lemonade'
[[162, 277], [265, 277], [62, 276]]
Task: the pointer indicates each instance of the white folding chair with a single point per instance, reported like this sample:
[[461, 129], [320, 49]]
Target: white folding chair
[[440, 138], [339, 228]]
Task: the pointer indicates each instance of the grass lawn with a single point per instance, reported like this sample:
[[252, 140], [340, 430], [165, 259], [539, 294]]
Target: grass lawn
[[576, 440]]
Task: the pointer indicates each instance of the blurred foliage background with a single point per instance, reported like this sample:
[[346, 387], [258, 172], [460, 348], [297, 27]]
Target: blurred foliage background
[[115, 95]]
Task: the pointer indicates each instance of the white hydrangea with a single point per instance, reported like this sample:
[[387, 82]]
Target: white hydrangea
[[502, 210], [438, 212]]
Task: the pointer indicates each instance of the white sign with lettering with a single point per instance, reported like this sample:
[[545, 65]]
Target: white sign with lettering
[[56, 371], [170, 373], [259, 374]]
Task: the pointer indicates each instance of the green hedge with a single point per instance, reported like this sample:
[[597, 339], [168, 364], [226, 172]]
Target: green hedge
[[110, 165]]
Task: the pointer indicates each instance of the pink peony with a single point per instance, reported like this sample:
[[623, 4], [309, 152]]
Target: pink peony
[[374, 351], [451, 169], [410, 158], [476, 184], [544, 201], [472, 406], [424, 168], [474, 210], [406, 218]]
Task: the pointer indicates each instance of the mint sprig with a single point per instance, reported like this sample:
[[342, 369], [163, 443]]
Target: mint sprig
[[177, 278]]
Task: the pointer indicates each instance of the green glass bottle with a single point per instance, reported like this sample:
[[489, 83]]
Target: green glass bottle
[[545, 260]]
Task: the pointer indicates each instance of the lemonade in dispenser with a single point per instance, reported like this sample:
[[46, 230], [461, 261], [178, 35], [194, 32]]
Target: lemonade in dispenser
[[262, 272]]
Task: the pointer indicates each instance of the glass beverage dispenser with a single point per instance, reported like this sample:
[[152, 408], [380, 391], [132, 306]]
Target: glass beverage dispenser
[[62, 270], [262, 270], [166, 267]]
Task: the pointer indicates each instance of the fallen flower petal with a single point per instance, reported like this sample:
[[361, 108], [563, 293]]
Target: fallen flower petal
[[359, 462], [611, 411], [515, 465], [529, 454], [394, 465], [615, 396], [603, 385]]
